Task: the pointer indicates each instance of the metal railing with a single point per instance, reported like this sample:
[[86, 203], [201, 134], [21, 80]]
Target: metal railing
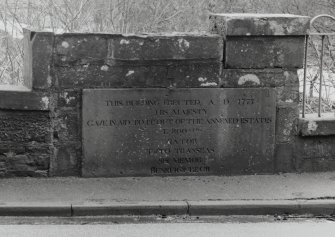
[[323, 36]]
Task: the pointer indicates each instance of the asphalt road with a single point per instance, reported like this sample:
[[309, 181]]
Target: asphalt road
[[238, 227]]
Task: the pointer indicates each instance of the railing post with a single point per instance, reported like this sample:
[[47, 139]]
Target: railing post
[[305, 73], [321, 72]]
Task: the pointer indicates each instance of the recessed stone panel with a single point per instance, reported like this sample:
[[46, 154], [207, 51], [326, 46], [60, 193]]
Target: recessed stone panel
[[146, 132]]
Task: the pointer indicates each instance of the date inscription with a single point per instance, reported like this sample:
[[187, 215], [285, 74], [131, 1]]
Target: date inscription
[[129, 132]]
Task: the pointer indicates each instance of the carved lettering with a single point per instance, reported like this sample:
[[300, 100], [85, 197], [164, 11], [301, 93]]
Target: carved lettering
[[176, 132], [180, 170]]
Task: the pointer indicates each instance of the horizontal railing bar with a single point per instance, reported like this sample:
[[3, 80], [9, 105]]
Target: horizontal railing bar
[[322, 34]]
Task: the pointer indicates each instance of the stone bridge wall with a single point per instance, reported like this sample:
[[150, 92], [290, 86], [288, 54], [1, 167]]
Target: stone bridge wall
[[40, 131]]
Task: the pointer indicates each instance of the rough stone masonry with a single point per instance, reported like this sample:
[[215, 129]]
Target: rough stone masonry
[[41, 130]]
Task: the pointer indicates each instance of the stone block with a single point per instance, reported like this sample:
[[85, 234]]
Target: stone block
[[38, 50], [172, 75], [29, 159], [40, 153], [24, 100], [288, 94], [165, 47], [189, 131], [80, 49], [66, 126], [287, 115], [249, 78], [247, 24], [284, 157], [69, 99], [312, 125], [261, 40], [25, 126], [315, 154], [66, 159], [20, 164], [83, 76], [194, 75], [264, 52], [11, 147], [316, 165]]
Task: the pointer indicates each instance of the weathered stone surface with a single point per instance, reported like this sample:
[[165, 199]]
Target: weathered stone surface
[[27, 126], [284, 157], [22, 165], [178, 132], [69, 99], [261, 41], [315, 154], [247, 24], [66, 126], [264, 52], [288, 94], [24, 100], [287, 114], [315, 126], [285, 81], [174, 75], [106, 76], [38, 49], [28, 159], [66, 159], [80, 49], [194, 75], [260, 51], [165, 47], [84, 49], [25, 138], [249, 78]]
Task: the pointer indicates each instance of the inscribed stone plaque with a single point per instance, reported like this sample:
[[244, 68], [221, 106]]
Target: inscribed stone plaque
[[144, 132]]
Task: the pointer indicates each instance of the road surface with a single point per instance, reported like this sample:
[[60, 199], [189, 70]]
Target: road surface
[[213, 227]]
